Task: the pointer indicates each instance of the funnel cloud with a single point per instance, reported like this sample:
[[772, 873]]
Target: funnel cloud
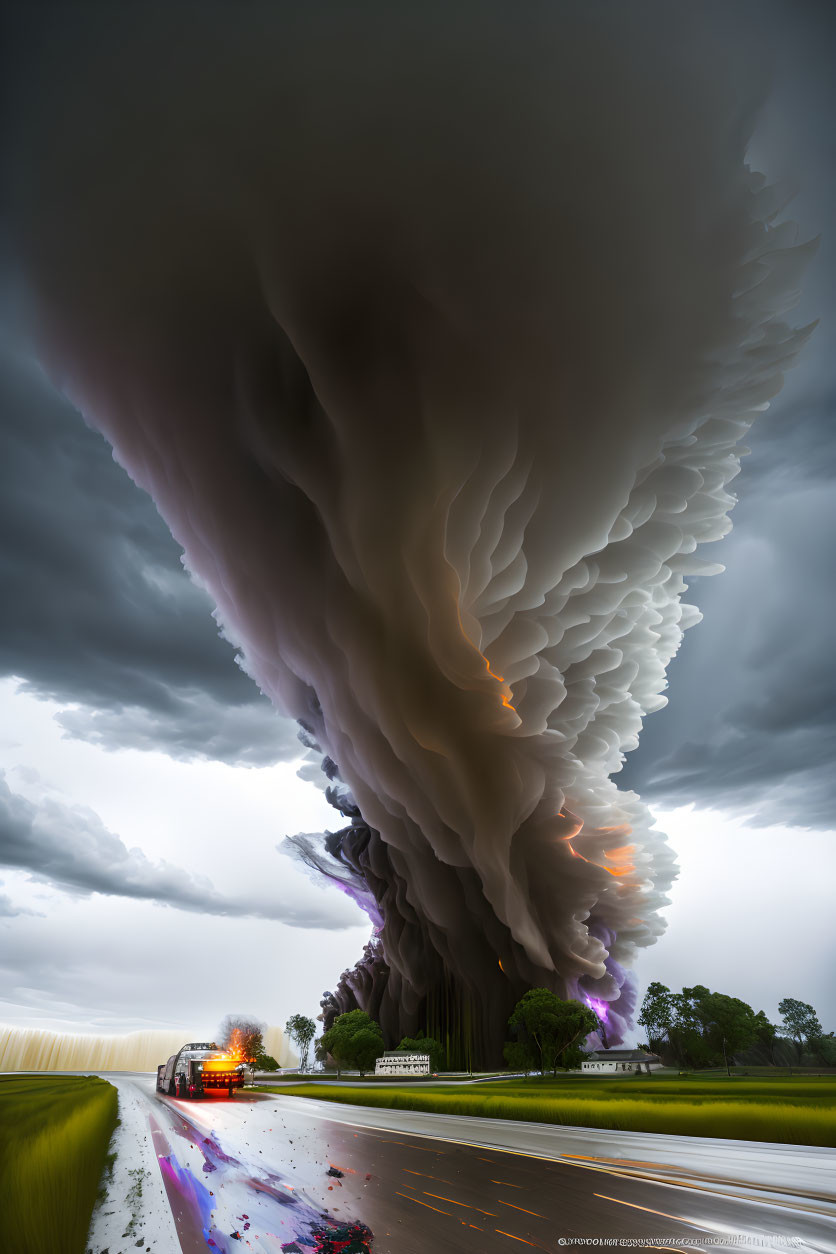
[[434, 335]]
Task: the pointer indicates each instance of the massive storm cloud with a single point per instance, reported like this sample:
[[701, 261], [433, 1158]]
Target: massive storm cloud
[[433, 334]]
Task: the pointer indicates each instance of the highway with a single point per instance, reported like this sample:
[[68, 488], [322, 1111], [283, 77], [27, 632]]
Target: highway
[[273, 1174]]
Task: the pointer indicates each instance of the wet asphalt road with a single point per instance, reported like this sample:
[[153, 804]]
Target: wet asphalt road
[[420, 1195]]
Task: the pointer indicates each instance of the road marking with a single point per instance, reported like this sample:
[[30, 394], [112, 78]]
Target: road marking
[[420, 1203], [453, 1202], [515, 1238], [679, 1218], [536, 1213], [508, 1185], [425, 1176], [422, 1148], [588, 1163]]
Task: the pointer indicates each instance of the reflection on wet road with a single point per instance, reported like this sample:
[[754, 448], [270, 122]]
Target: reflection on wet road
[[277, 1174]]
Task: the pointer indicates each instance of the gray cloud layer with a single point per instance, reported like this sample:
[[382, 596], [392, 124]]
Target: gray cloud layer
[[71, 849], [9, 910], [98, 611], [751, 724]]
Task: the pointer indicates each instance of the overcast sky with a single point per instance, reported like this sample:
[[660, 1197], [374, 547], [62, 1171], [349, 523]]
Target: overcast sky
[[147, 783]]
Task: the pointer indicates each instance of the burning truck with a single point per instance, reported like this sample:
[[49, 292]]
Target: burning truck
[[198, 1067]]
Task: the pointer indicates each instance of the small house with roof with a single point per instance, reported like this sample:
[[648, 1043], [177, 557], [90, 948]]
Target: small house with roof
[[402, 1063], [622, 1061]]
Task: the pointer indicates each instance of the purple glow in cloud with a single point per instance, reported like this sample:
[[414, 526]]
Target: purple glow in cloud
[[600, 1007]]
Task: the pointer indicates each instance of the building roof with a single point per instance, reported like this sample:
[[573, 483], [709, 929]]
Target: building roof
[[402, 1056], [623, 1055]]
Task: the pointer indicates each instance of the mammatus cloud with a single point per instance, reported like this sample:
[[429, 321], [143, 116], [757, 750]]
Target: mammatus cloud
[[98, 613], [440, 387], [71, 849]]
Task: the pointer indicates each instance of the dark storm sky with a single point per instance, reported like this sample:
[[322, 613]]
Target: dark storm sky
[[100, 617]]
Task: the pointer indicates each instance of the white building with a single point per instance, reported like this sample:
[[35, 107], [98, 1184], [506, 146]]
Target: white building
[[609, 1061], [402, 1064]]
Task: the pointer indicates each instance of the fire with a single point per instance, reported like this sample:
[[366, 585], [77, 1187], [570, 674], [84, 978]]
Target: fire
[[231, 1057], [235, 1048]]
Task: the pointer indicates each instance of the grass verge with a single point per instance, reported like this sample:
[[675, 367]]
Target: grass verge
[[797, 1111], [54, 1136]]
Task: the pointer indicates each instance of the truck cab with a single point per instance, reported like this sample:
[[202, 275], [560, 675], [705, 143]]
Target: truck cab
[[198, 1067]]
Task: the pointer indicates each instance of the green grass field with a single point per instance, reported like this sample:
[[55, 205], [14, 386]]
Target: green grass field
[[797, 1110], [54, 1134]]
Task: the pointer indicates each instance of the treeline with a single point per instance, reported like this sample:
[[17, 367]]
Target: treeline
[[547, 1034], [697, 1028]]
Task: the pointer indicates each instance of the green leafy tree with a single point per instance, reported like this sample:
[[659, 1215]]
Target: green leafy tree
[[728, 1024], [365, 1047], [551, 1024], [520, 1056], [425, 1045], [301, 1031], [766, 1034], [353, 1040], [573, 1056], [825, 1048], [266, 1062], [657, 1014], [801, 1022], [685, 1024], [687, 1032]]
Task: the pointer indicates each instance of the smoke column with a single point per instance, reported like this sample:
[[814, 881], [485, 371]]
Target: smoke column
[[433, 333]]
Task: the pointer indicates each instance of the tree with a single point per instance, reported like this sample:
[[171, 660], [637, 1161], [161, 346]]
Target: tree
[[687, 1031], [520, 1056], [728, 1024], [266, 1062], [425, 1045], [657, 1013], [354, 1040], [825, 1048], [365, 1047], [301, 1031], [241, 1035], [573, 1056], [801, 1022], [551, 1024], [766, 1034]]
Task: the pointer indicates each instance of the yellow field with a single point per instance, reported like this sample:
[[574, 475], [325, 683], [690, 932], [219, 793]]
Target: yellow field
[[54, 1134]]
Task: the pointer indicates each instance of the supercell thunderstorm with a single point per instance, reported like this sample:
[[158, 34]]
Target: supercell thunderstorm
[[434, 338]]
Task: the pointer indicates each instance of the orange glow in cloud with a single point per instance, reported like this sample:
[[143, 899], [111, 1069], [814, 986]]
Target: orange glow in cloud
[[620, 855], [506, 697]]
